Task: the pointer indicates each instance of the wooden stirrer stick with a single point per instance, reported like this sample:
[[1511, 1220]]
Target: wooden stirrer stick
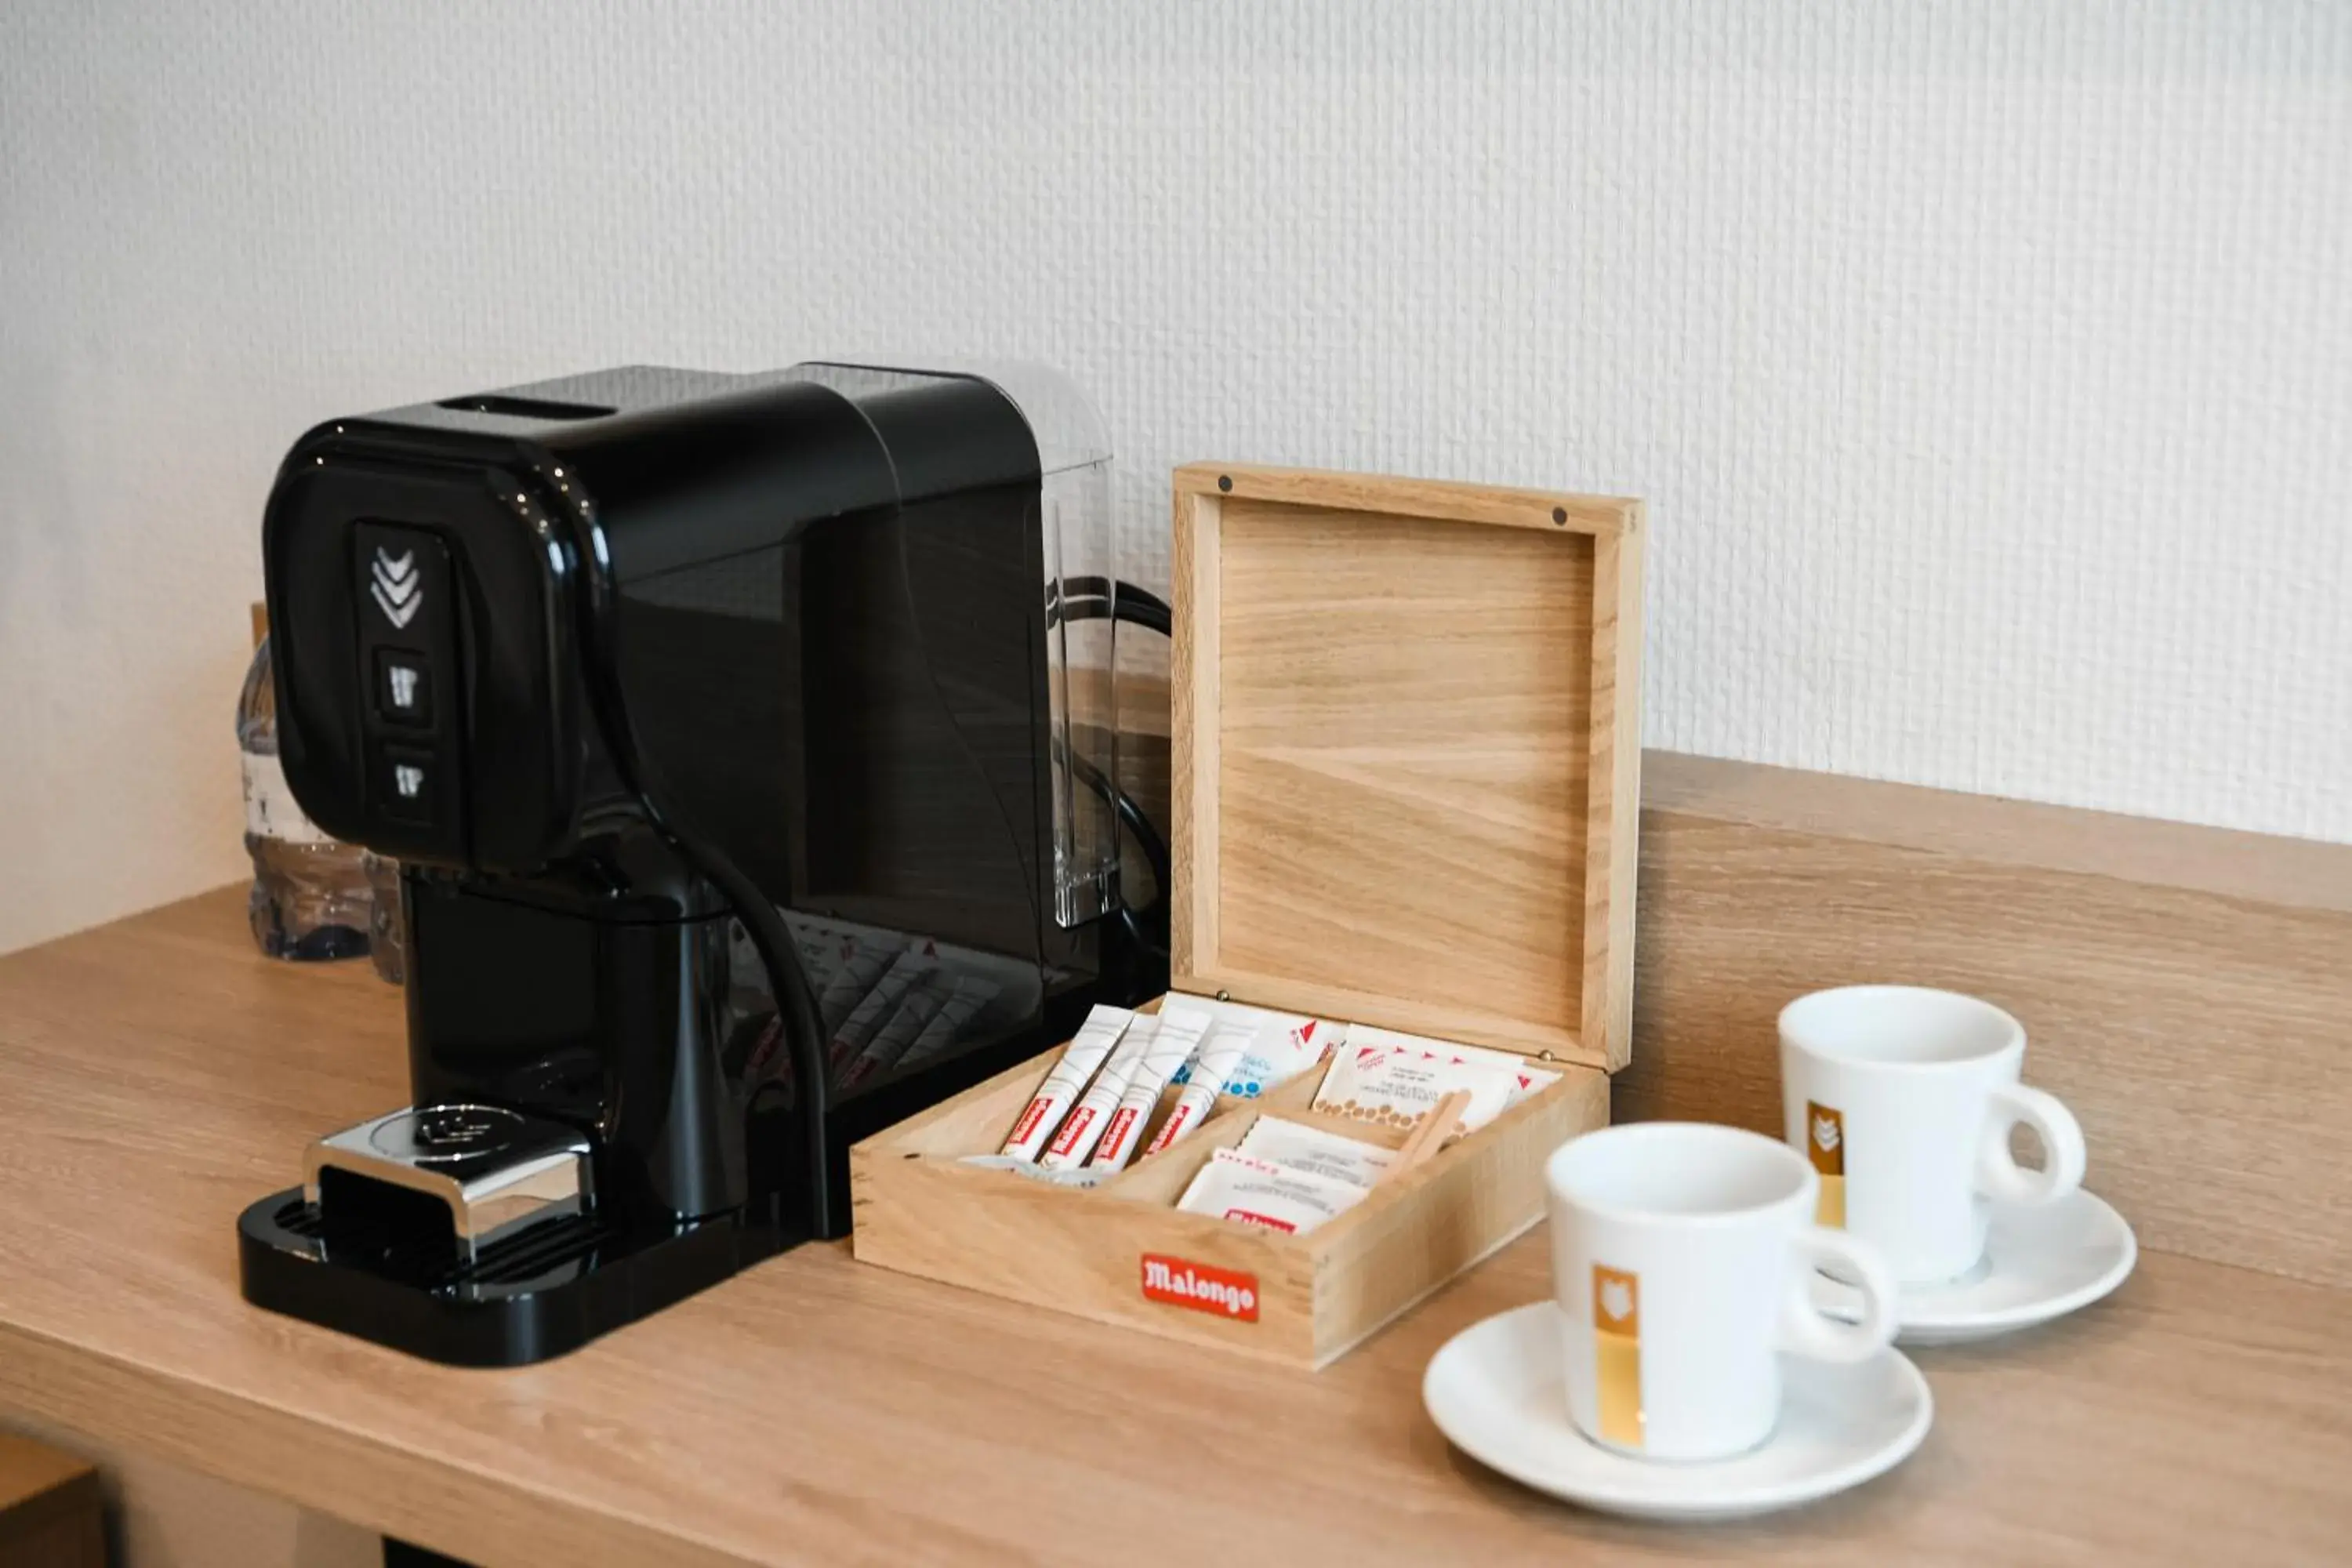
[[1429, 1135]]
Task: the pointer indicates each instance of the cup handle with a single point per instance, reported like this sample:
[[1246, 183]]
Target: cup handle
[[1805, 1331], [1998, 1175]]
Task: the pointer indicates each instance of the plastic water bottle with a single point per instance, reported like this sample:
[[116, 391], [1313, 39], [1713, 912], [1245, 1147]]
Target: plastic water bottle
[[384, 929], [310, 893]]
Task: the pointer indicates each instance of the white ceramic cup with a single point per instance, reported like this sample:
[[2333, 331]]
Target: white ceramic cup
[[1902, 1100], [1680, 1255]]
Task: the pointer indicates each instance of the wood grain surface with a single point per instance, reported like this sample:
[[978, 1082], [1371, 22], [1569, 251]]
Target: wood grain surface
[[920, 1209], [49, 1507], [1613, 789], [1602, 517], [2187, 991], [159, 1514], [156, 1075], [1405, 752]]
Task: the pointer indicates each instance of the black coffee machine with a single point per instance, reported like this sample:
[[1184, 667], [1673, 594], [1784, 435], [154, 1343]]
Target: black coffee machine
[[749, 745]]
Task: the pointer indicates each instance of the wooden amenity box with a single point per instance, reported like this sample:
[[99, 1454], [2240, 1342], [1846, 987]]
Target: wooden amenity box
[[1406, 778]]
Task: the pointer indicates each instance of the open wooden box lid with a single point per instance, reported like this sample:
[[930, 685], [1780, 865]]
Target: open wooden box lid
[[1407, 755]]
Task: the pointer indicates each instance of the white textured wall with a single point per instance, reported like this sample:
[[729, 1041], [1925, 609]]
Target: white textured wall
[[1988, 366]]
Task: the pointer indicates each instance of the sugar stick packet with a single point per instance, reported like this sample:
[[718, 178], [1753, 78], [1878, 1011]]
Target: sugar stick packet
[[1083, 1128], [1172, 1045], [1215, 1059], [1080, 1058]]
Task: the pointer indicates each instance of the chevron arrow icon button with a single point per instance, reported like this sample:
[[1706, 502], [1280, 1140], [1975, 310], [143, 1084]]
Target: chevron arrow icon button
[[396, 586]]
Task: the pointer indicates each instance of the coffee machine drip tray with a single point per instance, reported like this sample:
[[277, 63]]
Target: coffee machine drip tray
[[470, 1234]]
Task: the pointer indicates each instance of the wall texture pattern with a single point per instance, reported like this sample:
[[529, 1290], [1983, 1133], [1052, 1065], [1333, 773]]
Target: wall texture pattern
[[1988, 365]]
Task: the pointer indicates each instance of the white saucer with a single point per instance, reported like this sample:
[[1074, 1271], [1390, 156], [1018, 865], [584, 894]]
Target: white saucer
[[1496, 1392], [2039, 1264]]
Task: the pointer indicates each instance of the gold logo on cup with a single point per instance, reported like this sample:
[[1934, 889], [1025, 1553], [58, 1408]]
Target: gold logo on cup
[[1825, 1143], [1617, 1350]]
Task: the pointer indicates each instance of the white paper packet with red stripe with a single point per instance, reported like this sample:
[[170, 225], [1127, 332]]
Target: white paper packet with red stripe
[[1173, 1044], [1042, 1117], [1298, 1147], [1245, 1190], [1394, 1079], [1204, 1079], [1084, 1127]]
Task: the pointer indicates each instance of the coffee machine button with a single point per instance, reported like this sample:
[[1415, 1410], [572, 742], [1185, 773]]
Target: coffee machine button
[[405, 785], [403, 687], [403, 581]]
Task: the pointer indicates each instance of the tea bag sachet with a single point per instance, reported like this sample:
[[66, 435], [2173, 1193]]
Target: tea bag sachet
[[1394, 1079]]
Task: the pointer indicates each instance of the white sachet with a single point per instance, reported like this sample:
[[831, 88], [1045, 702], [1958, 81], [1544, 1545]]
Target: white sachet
[[1249, 1191], [1528, 1077], [1042, 1115], [1083, 1128], [1298, 1147], [1172, 1045], [1203, 1078], [1283, 1044], [1396, 1086]]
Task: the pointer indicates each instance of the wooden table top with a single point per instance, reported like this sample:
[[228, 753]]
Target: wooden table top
[[156, 1075]]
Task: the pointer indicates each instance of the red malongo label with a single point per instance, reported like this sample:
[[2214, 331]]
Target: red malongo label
[[1263, 1221], [1121, 1121], [1181, 1282], [1028, 1122], [1067, 1138]]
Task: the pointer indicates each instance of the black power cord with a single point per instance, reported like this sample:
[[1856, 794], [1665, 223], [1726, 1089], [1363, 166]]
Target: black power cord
[[1098, 599]]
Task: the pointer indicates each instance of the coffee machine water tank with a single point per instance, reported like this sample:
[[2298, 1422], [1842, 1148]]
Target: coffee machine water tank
[[749, 746]]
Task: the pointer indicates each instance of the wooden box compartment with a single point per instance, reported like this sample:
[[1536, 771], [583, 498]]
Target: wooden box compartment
[[1119, 1253], [1405, 777]]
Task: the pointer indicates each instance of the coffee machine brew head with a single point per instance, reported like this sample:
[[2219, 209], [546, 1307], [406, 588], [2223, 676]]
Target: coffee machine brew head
[[750, 745]]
